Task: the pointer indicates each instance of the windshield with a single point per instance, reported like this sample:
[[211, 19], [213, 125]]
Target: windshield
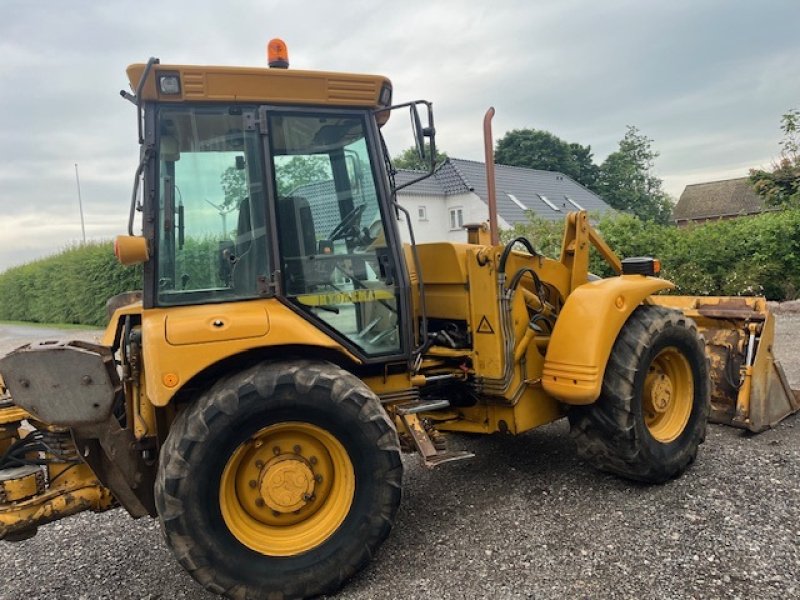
[[211, 233]]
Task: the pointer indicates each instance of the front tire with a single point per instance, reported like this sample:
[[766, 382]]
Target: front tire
[[280, 481], [651, 416]]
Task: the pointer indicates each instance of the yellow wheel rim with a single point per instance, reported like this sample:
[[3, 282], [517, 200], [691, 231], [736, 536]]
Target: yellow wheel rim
[[668, 395], [287, 489]]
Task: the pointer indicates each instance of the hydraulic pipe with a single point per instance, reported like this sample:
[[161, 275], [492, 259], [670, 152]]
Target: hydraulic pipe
[[490, 187]]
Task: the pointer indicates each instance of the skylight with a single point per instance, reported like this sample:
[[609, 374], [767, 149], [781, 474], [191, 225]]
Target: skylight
[[550, 204], [516, 201], [575, 204]]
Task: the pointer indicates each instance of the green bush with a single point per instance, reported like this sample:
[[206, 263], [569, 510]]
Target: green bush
[[69, 287], [747, 256]]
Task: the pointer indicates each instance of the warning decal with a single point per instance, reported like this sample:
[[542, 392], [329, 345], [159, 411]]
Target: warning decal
[[484, 326]]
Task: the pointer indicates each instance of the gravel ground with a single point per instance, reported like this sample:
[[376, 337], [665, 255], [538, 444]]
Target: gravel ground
[[524, 519]]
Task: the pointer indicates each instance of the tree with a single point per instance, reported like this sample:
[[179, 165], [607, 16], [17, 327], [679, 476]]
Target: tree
[[296, 171], [626, 181], [781, 185], [409, 159], [292, 172], [234, 187], [537, 149]]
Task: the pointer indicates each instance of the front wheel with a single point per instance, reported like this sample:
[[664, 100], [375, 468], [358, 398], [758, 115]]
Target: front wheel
[[651, 415], [279, 482]]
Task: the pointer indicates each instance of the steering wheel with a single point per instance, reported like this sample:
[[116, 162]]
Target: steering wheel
[[349, 224]]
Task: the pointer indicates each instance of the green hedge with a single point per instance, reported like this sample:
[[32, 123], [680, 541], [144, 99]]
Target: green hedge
[[748, 256], [69, 287], [739, 257]]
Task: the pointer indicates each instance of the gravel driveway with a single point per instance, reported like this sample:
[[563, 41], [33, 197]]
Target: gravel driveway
[[524, 519]]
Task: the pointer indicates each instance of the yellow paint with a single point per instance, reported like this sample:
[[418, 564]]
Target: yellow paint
[[345, 297], [110, 334], [12, 414], [170, 380], [75, 491], [187, 360], [131, 249], [287, 489], [19, 489], [214, 322], [585, 332], [247, 84], [668, 395]]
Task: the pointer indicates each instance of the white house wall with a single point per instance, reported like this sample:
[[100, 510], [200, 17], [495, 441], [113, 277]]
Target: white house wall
[[436, 227]]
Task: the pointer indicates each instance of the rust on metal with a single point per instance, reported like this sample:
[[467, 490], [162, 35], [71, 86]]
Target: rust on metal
[[488, 145]]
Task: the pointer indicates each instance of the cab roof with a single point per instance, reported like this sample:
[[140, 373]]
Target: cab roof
[[262, 85]]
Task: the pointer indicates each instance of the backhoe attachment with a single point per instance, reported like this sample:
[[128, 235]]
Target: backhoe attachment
[[749, 387]]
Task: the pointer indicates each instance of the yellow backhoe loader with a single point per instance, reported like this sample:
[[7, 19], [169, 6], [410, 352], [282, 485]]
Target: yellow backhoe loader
[[286, 344]]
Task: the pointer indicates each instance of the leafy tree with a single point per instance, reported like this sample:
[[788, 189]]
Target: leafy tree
[[627, 183], [292, 172], [781, 185], [409, 159], [234, 187], [537, 149]]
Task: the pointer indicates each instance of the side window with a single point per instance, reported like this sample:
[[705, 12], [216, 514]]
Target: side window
[[212, 243], [456, 218]]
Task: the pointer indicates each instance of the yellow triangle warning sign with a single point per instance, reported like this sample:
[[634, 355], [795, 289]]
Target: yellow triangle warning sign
[[484, 326]]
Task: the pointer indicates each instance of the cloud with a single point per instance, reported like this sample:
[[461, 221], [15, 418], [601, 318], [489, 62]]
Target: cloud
[[706, 80]]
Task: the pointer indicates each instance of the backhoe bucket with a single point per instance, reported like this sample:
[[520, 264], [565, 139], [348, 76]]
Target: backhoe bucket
[[748, 386]]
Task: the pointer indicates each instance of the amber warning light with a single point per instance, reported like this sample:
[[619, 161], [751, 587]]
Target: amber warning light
[[277, 54]]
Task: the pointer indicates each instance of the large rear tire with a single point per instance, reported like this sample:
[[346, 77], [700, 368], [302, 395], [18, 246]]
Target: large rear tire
[[280, 481], [651, 416]]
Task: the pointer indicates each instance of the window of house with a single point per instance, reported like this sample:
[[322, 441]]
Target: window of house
[[456, 218], [547, 201], [422, 213], [516, 201], [575, 204]]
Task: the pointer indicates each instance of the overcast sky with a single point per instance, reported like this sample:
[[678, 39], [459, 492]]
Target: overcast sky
[[706, 80]]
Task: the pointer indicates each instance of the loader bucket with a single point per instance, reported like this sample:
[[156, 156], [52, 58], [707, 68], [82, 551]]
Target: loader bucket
[[748, 386]]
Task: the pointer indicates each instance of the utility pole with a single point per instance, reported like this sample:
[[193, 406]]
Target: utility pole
[[80, 202]]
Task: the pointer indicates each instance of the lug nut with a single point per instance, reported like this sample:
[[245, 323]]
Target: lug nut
[[318, 478], [259, 502], [308, 497], [296, 449], [259, 464], [313, 460], [253, 483], [275, 513], [276, 450]]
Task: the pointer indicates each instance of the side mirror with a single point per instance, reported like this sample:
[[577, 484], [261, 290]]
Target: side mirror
[[131, 249], [419, 134]]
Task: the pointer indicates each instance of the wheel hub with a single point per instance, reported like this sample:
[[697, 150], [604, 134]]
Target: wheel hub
[[659, 391], [287, 483]]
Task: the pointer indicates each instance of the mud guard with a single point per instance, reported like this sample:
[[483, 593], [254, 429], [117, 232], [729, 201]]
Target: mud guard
[[585, 332]]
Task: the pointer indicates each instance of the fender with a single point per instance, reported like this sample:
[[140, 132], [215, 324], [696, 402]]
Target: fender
[[585, 332]]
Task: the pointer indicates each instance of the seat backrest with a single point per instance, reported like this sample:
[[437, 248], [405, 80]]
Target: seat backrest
[[297, 238]]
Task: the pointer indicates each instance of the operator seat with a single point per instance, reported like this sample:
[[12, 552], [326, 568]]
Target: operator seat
[[297, 241]]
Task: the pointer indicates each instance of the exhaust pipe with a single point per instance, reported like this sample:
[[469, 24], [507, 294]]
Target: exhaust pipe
[[490, 187]]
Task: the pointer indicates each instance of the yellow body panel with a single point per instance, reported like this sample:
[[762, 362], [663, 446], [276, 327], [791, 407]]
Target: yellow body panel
[[168, 366], [75, 491], [251, 84], [585, 333]]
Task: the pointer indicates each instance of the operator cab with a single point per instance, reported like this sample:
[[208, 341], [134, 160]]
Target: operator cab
[[270, 183]]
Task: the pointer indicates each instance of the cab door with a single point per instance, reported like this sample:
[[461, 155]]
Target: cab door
[[338, 253]]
